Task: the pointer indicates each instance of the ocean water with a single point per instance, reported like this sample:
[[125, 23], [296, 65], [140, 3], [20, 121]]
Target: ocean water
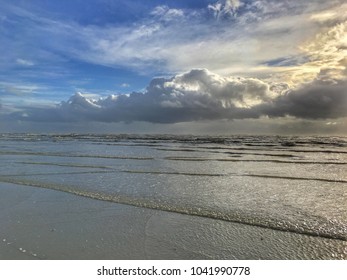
[[291, 184]]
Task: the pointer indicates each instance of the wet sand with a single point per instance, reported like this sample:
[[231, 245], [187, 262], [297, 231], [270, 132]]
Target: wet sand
[[39, 223]]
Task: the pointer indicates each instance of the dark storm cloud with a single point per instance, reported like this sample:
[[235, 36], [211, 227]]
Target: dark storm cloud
[[317, 100]]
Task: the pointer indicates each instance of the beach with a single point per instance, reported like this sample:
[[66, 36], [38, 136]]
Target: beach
[[45, 224], [91, 198]]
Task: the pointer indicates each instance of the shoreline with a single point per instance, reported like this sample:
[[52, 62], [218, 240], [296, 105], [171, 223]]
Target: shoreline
[[47, 224]]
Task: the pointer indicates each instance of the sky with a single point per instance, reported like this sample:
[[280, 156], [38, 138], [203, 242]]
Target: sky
[[183, 66]]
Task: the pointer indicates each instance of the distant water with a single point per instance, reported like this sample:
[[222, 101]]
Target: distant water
[[296, 184]]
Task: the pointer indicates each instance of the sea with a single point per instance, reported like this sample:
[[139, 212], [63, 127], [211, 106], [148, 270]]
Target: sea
[[286, 183]]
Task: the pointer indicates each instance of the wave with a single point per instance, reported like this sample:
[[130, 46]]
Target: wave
[[255, 160], [296, 178], [197, 150], [316, 151], [247, 140], [55, 173], [15, 153], [65, 164], [317, 226], [48, 154], [172, 173], [163, 172], [113, 169]]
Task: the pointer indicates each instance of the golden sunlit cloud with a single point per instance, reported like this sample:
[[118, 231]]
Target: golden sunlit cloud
[[326, 53]]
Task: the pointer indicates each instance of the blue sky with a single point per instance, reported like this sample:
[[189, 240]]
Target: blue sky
[[41, 43], [218, 60]]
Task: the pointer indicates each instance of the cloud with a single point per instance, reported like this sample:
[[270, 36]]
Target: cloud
[[10, 88], [167, 14], [296, 49], [192, 39], [172, 40], [330, 15], [24, 62], [225, 8], [321, 57], [316, 100], [200, 95], [195, 95], [328, 51]]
